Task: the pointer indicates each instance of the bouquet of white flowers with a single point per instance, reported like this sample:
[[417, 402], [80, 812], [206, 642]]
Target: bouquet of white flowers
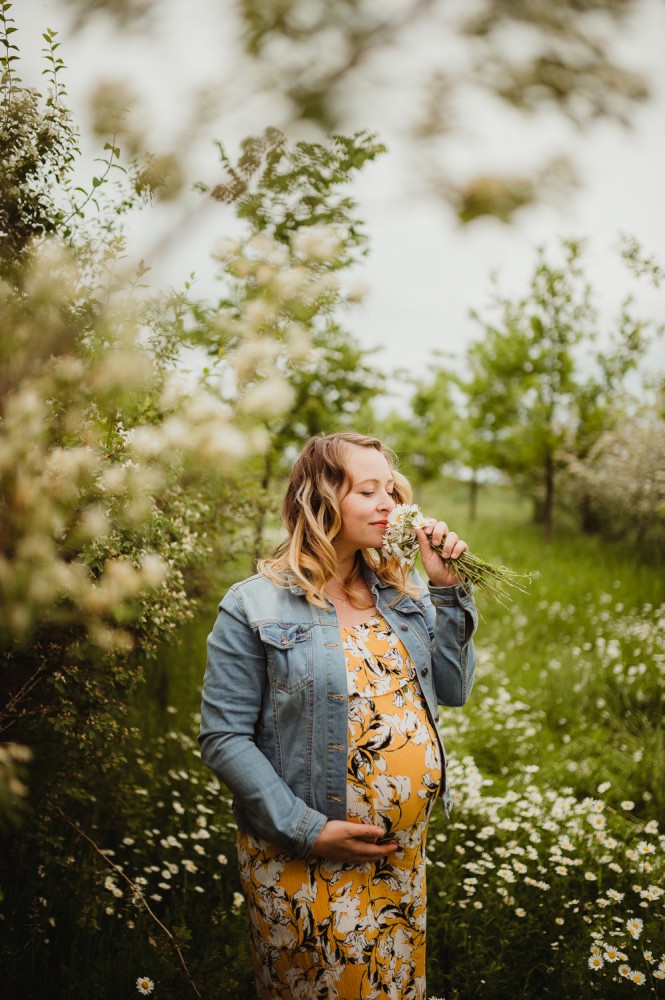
[[400, 542]]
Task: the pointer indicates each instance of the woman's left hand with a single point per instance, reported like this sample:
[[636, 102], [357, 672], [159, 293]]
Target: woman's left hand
[[434, 533]]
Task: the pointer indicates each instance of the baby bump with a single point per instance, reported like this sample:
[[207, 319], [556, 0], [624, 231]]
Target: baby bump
[[394, 769]]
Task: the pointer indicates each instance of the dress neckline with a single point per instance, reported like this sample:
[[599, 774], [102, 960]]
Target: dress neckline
[[368, 621]]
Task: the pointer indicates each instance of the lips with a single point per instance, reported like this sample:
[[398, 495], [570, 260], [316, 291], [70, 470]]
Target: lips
[[379, 524]]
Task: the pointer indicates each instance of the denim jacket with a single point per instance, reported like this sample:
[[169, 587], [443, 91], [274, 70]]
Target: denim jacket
[[274, 717]]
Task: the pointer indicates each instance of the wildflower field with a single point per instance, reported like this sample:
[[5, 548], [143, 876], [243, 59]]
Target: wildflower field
[[546, 881]]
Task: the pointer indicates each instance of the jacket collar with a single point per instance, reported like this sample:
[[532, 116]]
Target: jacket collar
[[372, 579]]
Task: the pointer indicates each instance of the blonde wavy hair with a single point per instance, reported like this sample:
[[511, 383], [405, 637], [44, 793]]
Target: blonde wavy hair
[[312, 518]]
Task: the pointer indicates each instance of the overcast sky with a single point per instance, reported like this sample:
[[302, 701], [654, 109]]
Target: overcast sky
[[424, 271]]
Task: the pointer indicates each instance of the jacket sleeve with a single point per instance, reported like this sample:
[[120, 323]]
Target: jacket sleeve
[[452, 619], [234, 687]]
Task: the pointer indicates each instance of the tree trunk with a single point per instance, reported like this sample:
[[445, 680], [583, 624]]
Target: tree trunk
[[548, 502], [589, 519], [473, 498]]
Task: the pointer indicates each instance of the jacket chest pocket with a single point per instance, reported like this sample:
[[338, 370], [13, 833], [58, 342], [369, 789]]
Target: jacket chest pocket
[[289, 654]]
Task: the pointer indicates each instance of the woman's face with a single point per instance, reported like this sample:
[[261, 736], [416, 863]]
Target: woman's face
[[369, 500]]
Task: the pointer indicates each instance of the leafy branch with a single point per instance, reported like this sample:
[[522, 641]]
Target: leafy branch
[[98, 181], [9, 56]]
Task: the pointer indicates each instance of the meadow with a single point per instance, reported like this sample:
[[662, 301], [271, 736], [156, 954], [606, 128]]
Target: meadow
[[547, 879]]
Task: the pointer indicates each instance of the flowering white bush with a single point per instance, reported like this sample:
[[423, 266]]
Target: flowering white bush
[[622, 480], [94, 437]]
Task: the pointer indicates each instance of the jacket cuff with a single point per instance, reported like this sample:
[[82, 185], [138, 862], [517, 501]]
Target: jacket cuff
[[460, 593], [309, 828]]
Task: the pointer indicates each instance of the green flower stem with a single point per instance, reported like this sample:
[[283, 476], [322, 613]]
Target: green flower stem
[[486, 577]]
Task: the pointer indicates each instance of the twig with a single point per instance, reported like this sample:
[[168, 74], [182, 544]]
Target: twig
[[16, 698], [136, 890]]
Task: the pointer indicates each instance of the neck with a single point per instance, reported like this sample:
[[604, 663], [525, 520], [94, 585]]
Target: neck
[[345, 563]]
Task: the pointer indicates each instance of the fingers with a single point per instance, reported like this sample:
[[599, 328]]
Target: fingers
[[363, 837], [453, 547], [354, 843], [438, 534], [366, 831]]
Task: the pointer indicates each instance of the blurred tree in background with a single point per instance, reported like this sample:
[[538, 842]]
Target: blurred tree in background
[[282, 190], [317, 59], [535, 389], [538, 403], [427, 438]]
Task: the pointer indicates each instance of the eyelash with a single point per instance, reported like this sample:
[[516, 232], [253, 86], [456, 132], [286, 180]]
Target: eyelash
[[369, 493]]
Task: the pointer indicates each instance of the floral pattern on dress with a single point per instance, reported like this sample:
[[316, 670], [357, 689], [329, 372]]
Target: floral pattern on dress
[[326, 929]]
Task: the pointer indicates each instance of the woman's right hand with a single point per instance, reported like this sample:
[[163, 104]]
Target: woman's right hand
[[353, 843]]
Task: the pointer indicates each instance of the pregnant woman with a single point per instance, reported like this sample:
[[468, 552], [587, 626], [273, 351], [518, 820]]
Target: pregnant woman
[[319, 713]]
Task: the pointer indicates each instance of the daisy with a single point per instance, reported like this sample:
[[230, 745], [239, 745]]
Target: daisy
[[638, 978], [596, 962], [144, 985], [624, 970], [627, 805], [634, 927]]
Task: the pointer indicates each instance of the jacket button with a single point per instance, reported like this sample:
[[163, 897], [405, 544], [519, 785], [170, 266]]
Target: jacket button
[[425, 671], [404, 628]]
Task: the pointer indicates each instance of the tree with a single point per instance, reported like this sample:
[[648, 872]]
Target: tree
[[296, 194], [427, 437], [317, 60], [532, 394]]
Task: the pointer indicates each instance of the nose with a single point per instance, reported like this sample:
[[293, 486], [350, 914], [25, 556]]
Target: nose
[[386, 502]]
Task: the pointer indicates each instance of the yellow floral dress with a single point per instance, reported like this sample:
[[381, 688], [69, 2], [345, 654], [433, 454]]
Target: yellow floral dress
[[329, 929]]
